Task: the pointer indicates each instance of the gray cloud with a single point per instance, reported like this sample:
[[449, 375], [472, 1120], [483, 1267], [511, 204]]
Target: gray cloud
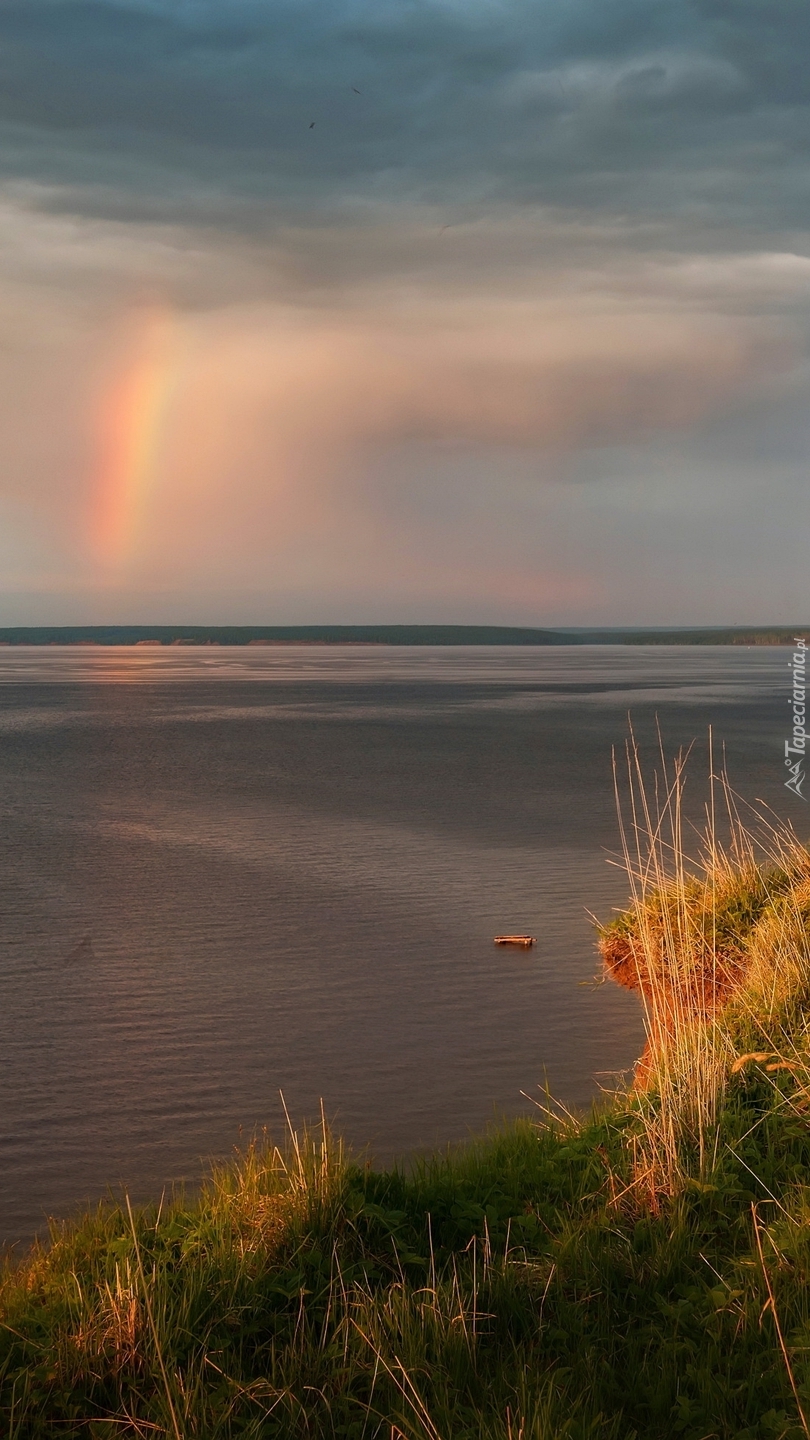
[[609, 103], [540, 291]]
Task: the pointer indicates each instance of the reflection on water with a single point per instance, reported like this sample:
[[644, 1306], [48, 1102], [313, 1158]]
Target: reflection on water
[[724, 671], [284, 870]]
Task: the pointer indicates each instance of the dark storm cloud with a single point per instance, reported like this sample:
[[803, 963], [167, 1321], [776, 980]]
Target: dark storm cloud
[[427, 286], [666, 108]]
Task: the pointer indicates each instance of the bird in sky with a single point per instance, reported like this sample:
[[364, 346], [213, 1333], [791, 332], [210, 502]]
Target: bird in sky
[[312, 126], [356, 91]]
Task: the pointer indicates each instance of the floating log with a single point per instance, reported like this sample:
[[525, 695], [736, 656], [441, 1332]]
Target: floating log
[[525, 940]]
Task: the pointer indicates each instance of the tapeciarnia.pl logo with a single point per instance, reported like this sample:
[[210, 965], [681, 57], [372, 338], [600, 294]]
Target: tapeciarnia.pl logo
[[797, 747]]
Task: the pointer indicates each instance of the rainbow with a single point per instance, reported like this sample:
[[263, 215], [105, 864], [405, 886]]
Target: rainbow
[[129, 433]]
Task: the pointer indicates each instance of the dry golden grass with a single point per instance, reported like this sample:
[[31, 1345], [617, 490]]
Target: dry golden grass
[[111, 1323], [717, 945]]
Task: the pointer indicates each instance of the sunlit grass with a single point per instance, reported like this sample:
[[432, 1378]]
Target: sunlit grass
[[640, 1272], [518, 1286]]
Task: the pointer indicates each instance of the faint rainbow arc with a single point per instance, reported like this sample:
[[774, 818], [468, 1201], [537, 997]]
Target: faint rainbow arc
[[130, 432]]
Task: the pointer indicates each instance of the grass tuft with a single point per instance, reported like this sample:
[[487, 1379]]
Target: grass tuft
[[643, 1272]]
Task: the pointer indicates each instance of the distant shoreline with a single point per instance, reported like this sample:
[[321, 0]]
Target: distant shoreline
[[147, 635]]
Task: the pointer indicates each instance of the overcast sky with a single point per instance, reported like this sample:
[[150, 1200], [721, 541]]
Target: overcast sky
[[401, 310]]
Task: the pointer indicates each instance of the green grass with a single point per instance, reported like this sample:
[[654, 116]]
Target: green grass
[[639, 1274], [512, 1288]]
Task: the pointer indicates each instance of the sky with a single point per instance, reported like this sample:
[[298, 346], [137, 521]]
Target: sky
[[460, 311]]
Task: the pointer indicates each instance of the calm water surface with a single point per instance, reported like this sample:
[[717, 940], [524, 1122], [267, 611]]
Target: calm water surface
[[229, 872]]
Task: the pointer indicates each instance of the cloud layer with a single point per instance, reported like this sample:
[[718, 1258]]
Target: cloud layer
[[481, 310]]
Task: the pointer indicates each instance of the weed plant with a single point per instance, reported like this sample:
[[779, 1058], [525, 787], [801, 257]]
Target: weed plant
[[513, 1288], [640, 1273]]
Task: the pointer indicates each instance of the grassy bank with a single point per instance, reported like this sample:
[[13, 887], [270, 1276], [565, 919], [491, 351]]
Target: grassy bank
[[515, 1289], [643, 1272]]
